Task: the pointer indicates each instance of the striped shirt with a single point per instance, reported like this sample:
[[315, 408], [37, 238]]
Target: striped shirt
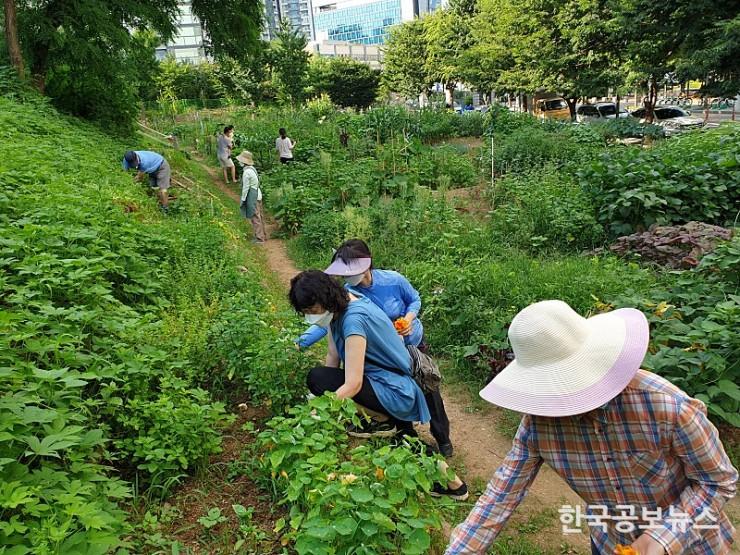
[[651, 447]]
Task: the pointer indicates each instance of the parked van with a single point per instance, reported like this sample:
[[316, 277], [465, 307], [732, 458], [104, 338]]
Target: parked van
[[551, 107]]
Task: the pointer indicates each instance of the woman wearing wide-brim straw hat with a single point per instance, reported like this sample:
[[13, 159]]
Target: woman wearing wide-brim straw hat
[[627, 441], [251, 197]]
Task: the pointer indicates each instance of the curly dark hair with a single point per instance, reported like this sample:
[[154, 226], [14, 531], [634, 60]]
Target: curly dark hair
[[228, 128], [352, 249], [315, 287]]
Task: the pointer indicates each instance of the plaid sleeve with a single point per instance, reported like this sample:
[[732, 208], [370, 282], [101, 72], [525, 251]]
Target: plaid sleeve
[[712, 478], [504, 492]]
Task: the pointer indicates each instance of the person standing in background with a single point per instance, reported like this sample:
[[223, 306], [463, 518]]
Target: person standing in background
[[284, 146], [251, 198], [225, 144]]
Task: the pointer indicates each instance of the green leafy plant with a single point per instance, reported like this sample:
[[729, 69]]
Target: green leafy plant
[[212, 518], [693, 177], [693, 321], [544, 208], [340, 497]]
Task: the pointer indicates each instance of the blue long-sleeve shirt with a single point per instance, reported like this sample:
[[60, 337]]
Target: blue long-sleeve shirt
[[149, 161], [393, 294]]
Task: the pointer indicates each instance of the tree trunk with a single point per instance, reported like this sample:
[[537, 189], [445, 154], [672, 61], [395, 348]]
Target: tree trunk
[[650, 101], [572, 106], [617, 104], [449, 101], [11, 37]]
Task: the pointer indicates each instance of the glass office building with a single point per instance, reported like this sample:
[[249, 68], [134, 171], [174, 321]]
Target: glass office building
[[359, 23]]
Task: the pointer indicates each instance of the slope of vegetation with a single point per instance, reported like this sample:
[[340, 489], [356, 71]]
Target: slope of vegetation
[[124, 335]]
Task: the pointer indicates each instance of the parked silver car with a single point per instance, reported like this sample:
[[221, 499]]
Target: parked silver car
[[599, 111], [673, 119]]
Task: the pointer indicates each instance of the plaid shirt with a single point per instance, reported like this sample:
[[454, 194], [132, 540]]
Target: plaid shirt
[[651, 447]]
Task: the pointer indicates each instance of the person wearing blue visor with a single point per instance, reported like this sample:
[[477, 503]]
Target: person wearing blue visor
[[397, 298], [366, 361]]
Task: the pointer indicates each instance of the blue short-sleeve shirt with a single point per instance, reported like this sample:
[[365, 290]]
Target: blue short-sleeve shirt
[[393, 293], [149, 162], [399, 394]]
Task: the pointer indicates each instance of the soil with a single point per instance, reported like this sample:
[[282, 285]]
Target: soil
[[216, 487]]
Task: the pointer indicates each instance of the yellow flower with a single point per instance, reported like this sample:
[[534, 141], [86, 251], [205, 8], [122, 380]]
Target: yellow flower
[[379, 473], [348, 479], [662, 307]]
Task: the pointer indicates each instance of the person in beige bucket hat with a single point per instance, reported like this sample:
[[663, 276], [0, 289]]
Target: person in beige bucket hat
[[251, 197], [624, 439]]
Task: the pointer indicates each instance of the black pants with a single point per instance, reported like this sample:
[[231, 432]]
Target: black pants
[[439, 424], [324, 378]]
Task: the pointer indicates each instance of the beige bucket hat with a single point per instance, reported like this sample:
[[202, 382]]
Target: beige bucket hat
[[245, 157]]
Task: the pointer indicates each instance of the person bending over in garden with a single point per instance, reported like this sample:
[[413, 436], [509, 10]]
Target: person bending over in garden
[[393, 293], [629, 442], [155, 166], [284, 146], [251, 197], [225, 144], [376, 371]]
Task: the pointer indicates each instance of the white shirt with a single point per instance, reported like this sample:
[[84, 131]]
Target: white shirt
[[250, 181], [284, 147]]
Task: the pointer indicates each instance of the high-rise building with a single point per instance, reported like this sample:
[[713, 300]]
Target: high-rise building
[[187, 44], [297, 12], [272, 19], [362, 21]]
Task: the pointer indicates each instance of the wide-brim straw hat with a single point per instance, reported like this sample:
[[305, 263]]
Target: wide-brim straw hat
[[565, 364], [245, 157], [354, 267]]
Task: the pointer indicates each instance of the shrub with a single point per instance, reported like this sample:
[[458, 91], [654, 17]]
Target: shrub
[[694, 340], [528, 148], [501, 121], [348, 83], [429, 165], [544, 208], [470, 124], [693, 177], [339, 498]]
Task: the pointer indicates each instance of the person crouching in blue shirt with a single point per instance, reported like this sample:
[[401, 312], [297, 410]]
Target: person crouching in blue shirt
[[155, 166], [376, 371]]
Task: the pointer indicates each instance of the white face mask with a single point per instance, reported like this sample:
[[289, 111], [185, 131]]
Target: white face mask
[[354, 280], [322, 320]]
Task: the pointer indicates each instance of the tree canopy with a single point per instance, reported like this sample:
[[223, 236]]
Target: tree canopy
[[86, 54], [576, 48]]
